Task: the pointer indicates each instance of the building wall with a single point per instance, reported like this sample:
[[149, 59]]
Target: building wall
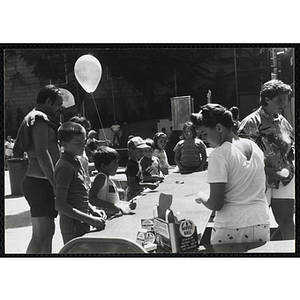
[[20, 90]]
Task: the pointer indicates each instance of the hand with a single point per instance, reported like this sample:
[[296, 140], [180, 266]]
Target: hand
[[153, 186], [100, 213], [201, 197], [132, 204], [97, 212], [98, 223], [198, 200]]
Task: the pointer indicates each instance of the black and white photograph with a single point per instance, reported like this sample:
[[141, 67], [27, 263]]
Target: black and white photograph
[[152, 150], [149, 149]]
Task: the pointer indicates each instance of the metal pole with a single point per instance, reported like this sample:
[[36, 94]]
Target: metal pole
[[113, 98], [236, 80], [175, 82]]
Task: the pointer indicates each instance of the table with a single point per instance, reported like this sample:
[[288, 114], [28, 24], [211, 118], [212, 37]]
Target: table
[[183, 187]]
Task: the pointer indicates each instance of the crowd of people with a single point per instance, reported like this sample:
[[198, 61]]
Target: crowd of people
[[250, 169]]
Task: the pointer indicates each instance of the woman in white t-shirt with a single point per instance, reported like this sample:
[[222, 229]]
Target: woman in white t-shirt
[[237, 180]]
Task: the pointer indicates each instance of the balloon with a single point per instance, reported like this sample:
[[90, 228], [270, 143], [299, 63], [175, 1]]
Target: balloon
[[88, 72], [68, 98]]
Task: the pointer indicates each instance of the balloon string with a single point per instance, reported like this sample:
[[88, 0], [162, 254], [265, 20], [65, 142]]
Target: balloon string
[[99, 116]]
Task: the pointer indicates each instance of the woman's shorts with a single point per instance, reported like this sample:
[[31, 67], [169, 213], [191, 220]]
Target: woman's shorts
[[40, 197], [250, 234]]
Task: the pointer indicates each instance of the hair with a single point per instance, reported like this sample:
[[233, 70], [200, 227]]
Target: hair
[[82, 121], [68, 130], [150, 143], [157, 136], [211, 114], [48, 91], [235, 112], [92, 132], [271, 89], [130, 145], [190, 126], [105, 155]]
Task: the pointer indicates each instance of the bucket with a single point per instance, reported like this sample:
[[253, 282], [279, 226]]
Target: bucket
[[17, 168]]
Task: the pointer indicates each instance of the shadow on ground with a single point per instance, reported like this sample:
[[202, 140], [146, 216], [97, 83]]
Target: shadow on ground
[[22, 219]]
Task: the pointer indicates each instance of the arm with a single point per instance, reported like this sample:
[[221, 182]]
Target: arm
[[39, 132], [216, 199], [204, 157], [97, 213], [139, 186], [149, 185], [152, 178], [149, 174], [62, 206], [177, 156], [93, 198]]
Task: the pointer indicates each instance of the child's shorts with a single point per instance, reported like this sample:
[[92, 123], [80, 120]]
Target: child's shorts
[[40, 196], [283, 192], [251, 234], [71, 228]]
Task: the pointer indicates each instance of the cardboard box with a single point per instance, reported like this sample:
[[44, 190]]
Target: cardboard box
[[176, 237], [172, 234]]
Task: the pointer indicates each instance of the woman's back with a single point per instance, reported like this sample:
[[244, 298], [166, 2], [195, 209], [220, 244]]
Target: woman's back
[[240, 165]]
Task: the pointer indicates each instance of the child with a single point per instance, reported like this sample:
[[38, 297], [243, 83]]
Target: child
[[190, 153], [83, 158], [235, 118], [160, 141], [91, 144], [150, 164], [136, 147], [237, 180], [72, 186], [104, 192]]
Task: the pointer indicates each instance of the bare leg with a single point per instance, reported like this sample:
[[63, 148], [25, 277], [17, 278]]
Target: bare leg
[[42, 234], [283, 210]]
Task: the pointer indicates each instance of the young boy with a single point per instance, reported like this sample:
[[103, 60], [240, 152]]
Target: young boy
[[72, 186], [136, 147], [150, 164], [104, 193]]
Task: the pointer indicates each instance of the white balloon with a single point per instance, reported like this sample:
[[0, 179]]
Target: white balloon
[[88, 72], [68, 98]]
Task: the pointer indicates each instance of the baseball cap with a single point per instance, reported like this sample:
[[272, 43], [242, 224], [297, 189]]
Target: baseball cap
[[92, 132], [137, 142]]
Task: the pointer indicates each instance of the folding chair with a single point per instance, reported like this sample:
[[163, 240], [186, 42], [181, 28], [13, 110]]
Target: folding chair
[[101, 245]]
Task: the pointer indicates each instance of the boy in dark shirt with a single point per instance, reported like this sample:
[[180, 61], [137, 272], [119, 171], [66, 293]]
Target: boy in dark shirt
[[150, 164], [72, 185], [136, 147]]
